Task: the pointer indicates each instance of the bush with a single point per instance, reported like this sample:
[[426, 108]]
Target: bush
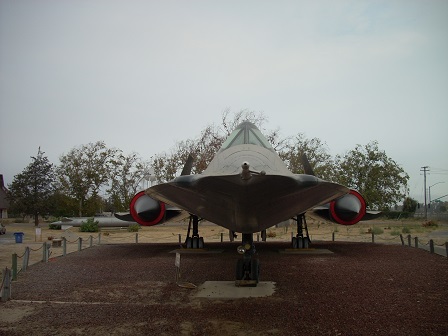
[[54, 226], [406, 230], [376, 230], [395, 232], [90, 225], [430, 224], [397, 214], [271, 234], [133, 228]]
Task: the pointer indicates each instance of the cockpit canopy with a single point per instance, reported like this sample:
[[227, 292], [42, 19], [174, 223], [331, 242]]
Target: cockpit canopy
[[246, 133]]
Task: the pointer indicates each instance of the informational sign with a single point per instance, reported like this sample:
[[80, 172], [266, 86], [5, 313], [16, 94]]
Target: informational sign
[[38, 234]]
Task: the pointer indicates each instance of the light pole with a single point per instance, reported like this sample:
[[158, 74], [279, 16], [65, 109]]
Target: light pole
[[430, 194]]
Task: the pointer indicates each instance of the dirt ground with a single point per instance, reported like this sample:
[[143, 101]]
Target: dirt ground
[[124, 288], [169, 233]]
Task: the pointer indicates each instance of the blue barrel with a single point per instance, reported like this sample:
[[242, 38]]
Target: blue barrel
[[18, 236]]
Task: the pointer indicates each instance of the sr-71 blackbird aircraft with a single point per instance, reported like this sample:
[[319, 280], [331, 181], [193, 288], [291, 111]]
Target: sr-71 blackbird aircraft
[[247, 188]]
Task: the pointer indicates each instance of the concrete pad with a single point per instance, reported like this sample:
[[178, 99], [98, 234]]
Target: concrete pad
[[196, 251], [306, 251], [228, 290]]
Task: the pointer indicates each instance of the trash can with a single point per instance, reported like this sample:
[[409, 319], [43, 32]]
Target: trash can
[[18, 236]]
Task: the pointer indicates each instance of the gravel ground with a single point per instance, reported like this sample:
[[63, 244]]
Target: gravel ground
[[129, 289]]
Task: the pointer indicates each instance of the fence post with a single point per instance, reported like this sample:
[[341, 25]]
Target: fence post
[[44, 252], [416, 242], [402, 240], [79, 244], [136, 238], [6, 294], [431, 246], [222, 237], [409, 240], [258, 237], [446, 249], [26, 258], [373, 237], [14, 266], [64, 246], [99, 238], [91, 241], [180, 238], [332, 236]]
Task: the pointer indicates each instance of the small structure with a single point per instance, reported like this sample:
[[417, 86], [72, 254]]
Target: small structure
[[4, 203]]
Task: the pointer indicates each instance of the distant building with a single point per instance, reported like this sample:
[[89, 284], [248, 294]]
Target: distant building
[[4, 204]]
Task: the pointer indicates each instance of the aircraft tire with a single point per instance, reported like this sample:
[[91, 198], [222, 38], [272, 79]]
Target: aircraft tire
[[201, 242], [195, 242], [294, 242], [305, 243], [189, 242], [255, 269], [240, 269]]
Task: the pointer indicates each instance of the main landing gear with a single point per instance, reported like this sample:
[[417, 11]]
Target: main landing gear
[[194, 241], [301, 240], [248, 267]]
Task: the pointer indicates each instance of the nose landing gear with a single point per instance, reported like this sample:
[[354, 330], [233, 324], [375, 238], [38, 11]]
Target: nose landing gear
[[248, 267]]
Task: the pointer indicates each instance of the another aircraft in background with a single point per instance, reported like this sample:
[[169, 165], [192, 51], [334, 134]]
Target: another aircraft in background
[[247, 188]]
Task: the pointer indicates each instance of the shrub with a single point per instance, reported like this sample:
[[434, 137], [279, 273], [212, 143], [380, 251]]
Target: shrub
[[395, 232], [376, 230], [397, 214], [54, 226], [430, 223], [90, 225], [271, 234], [133, 228], [406, 230]]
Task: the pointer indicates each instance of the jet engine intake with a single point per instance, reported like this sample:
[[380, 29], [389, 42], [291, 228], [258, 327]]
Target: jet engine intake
[[348, 209], [146, 210]]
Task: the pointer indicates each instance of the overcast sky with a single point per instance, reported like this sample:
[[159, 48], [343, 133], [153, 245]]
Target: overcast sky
[[142, 75]]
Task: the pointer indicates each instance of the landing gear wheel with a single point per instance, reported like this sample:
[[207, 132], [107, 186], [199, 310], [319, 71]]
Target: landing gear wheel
[[294, 242], [305, 242], [255, 270], [201, 242], [240, 269], [195, 242], [189, 243]]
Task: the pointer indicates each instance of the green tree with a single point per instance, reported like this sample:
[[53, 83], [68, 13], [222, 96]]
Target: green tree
[[409, 205], [63, 205], [30, 191], [83, 171], [367, 169], [316, 152]]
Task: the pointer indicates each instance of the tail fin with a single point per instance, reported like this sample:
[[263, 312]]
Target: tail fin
[[306, 165], [188, 166]]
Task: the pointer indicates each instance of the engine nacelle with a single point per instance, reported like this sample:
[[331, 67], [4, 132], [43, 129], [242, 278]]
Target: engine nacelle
[[348, 209], [146, 210]]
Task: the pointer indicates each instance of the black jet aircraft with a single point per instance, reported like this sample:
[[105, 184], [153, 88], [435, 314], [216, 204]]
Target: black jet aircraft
[[247, 188]]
